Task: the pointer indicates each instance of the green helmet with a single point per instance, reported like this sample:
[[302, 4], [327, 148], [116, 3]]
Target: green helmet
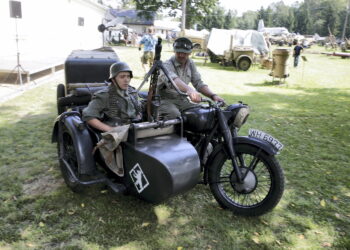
[[119, 67]]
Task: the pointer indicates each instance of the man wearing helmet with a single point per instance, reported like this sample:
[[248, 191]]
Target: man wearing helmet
[[115, 105], [182, 70]]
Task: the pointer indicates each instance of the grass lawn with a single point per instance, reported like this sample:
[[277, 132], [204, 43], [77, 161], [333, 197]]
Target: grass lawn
[[309, 113]]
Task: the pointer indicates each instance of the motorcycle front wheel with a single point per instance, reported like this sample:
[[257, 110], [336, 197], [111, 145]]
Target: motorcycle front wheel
[[261, 189]]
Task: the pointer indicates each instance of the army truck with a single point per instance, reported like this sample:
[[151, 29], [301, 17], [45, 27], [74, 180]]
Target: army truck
[[236, 47], [198, 38]]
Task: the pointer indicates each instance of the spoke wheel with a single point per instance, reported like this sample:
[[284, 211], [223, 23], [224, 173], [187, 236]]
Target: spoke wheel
[[66, 148], [261, 189]]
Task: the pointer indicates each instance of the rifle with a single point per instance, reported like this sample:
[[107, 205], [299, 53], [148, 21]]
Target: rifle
[[153, 98]]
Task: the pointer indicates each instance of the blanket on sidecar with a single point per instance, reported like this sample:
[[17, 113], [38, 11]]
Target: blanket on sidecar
[[110, 149]]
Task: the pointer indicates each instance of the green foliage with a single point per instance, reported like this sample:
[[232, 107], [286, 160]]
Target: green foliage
[[304, 17], [195, 9], [215, 19]]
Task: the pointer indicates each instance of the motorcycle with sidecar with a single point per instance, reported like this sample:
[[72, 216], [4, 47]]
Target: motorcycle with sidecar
[[162, 158]]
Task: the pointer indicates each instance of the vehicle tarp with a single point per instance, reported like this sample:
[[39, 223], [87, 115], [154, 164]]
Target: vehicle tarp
[[220, 40]]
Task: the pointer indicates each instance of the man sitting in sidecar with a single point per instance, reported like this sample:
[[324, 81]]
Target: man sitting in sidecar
[[115, 105], [110, 109]]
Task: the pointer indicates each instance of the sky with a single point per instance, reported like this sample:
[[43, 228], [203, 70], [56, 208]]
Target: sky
[[244, 5]]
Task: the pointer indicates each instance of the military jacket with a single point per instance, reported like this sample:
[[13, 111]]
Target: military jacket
[[188, 74], [113, 106]]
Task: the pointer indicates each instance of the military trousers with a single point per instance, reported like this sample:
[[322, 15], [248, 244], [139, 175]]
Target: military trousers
[[172, 108]]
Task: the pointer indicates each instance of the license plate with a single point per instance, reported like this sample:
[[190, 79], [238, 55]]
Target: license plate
[[266, 137]]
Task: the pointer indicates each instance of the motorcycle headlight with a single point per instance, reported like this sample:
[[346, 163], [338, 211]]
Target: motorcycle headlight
[[241, 117]]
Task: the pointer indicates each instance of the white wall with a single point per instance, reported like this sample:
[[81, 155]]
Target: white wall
[[50, 27]]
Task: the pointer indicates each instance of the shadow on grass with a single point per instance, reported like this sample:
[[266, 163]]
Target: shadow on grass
[[267, 83], [313, 127]]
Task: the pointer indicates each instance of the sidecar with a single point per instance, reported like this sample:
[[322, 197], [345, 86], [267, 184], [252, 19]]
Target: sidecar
[[158, 161]]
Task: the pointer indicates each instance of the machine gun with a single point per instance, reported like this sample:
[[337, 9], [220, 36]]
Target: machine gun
[[153, 98]]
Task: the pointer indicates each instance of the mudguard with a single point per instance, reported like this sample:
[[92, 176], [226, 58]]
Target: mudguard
[[243, 56], [265, 146], [81, 139]]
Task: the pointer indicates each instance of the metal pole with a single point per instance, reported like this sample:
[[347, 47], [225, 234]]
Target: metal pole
[[19, 75], [183, 19], [346, 21]]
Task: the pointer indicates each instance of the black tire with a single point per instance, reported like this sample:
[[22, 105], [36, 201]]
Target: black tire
[[197, 46], [61, 92], [244, 64], [67, 147], [262, 189], [213, 57]]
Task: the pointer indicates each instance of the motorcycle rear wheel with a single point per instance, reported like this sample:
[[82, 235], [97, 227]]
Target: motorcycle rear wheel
[[262, 188]]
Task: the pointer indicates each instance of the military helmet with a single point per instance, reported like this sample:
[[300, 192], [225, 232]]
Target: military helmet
[[183, 44], [119, 67]]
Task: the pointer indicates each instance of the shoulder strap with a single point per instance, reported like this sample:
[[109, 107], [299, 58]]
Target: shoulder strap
[[133, 97]]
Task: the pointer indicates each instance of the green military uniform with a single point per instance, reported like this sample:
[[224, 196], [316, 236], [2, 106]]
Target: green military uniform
[[113, 106], [172, 104]]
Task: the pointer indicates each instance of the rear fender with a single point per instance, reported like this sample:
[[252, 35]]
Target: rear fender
[[81, 139], [243, 56], [265, 147]]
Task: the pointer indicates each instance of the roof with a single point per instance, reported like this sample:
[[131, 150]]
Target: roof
[[132, 17]]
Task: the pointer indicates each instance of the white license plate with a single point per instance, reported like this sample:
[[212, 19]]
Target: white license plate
[[266, 137]]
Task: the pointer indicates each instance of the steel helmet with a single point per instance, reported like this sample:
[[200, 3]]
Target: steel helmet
[[119, 67], [183, 44]]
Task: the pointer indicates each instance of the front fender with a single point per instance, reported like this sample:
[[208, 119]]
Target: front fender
[[265, 146], [82, 141], [54, 134]]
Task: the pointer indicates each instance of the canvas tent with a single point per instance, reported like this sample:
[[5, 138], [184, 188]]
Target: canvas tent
[[220, 41]]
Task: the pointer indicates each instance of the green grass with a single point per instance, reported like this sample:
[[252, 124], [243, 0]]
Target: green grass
[[309, 113]]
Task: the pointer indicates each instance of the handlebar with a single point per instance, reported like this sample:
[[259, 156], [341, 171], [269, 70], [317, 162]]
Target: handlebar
[[213, 103]]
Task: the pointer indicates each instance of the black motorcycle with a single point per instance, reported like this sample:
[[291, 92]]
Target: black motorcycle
[[166, 158], [242, 171]]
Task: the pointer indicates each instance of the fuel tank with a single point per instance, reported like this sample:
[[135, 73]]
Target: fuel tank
[[159, 167], [199, 119]]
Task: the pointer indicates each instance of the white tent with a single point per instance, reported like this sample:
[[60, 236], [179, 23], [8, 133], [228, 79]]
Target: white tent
[[220, 40]]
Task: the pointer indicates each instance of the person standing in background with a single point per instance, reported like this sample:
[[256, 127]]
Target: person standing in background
[[149, 43], [296, 53]]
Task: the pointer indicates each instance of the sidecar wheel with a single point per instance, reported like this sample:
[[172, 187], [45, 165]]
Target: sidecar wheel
[[66, 146], [262, 188]]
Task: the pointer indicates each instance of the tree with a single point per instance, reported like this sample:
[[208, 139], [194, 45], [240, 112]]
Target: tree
[[196, 10], [229, 22], [248, 20], [215, 20]]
